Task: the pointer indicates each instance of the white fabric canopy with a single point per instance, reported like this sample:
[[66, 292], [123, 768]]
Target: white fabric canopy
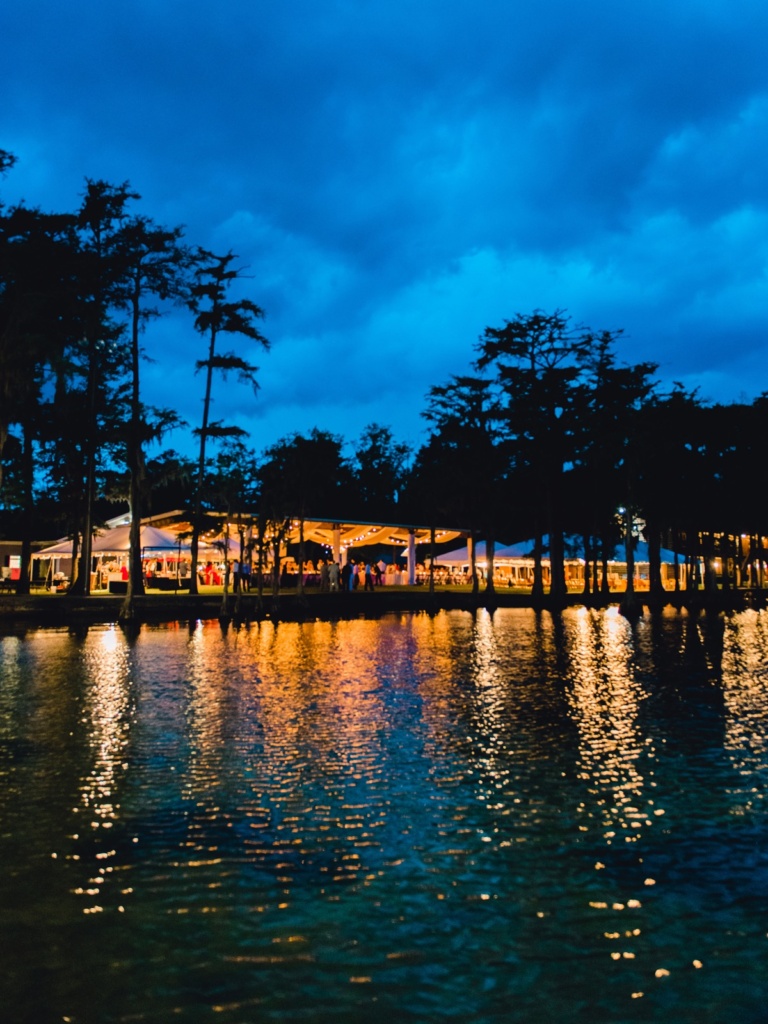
[[118, 542], [214, 548], [524, 550], [60, 549], [460, 556]]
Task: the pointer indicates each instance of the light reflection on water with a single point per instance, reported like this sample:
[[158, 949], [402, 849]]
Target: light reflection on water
[[465, 818]]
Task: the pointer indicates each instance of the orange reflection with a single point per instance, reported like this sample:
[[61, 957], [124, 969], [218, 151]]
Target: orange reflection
[[604, 699], [745, 695]]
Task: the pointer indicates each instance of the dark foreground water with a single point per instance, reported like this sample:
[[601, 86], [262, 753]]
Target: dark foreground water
[[459, 818]]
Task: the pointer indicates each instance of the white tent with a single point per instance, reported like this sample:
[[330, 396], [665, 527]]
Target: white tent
[[507, 553], [118, 542], [214, 547], [641, 554], [524, 551], [61, 549]]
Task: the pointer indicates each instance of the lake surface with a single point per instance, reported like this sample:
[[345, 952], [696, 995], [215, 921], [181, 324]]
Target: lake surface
[[466, 818]]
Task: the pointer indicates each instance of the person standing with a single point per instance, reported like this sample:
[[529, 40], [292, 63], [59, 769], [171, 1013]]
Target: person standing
[[368, 576], [333, 576], [245, 576], [346, 576]]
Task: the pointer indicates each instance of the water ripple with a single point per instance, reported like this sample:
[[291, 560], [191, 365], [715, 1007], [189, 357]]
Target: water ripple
[[432, 817]]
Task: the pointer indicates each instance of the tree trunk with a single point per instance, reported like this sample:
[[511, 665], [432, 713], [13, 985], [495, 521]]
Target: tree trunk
[[300, 581], [239, 583], [605, 585], [225, 593], [630, 604], [489, 552], [710, 575], [676, 546], [759, 562], [198, 510], [136, 469], [431, 559], [75, 556], [557, 589], [691, 572], [629, 550], [260, 561], [276, 567], [586, 590], [655, 584], [537, 590], [82, 584], [28, 474], [726, 561], [473, 564], [741, 564]]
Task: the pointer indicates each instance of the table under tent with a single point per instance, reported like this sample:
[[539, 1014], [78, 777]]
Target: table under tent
[[513, 566], [165, 560]]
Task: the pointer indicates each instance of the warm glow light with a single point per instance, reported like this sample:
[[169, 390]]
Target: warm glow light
[[604, 702]]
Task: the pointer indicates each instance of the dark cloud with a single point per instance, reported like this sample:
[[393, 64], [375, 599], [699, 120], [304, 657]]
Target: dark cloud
[[396, 177]]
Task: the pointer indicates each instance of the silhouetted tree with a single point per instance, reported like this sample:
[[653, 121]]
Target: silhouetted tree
[[153, 262], [380, 470], [35, 256], [232, 484], [464, 460], [666, 471], [536, 358], [301, 477], [612, 400], [215, 315], [7, 160], [99, 278], [170, 482]]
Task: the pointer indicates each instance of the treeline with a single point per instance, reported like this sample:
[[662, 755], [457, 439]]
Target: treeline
[[553, 438], [548, 436], [77, 291]]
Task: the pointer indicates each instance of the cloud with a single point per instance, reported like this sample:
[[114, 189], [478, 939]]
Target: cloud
[[396, 178]]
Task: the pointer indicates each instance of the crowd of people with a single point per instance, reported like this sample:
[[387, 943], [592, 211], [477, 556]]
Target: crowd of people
[[348, 577], [328, 574]]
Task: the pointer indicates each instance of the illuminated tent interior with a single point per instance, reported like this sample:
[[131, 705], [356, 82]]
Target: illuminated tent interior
[[332, 533], [117, 542], [515, 563], [524, 551], [167, 536]]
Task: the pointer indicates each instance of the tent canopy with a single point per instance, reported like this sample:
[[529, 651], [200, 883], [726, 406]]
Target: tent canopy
[[524, 551], [164, 536], [60, 549], [508, 553], [349, 533], [118, 542]]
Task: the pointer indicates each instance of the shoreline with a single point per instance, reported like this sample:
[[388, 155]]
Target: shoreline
[[62, 610]]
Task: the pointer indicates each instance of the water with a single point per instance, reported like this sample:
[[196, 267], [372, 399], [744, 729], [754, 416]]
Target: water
[[454, 818]]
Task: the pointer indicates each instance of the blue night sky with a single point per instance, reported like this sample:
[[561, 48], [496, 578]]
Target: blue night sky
[[399, 176]]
